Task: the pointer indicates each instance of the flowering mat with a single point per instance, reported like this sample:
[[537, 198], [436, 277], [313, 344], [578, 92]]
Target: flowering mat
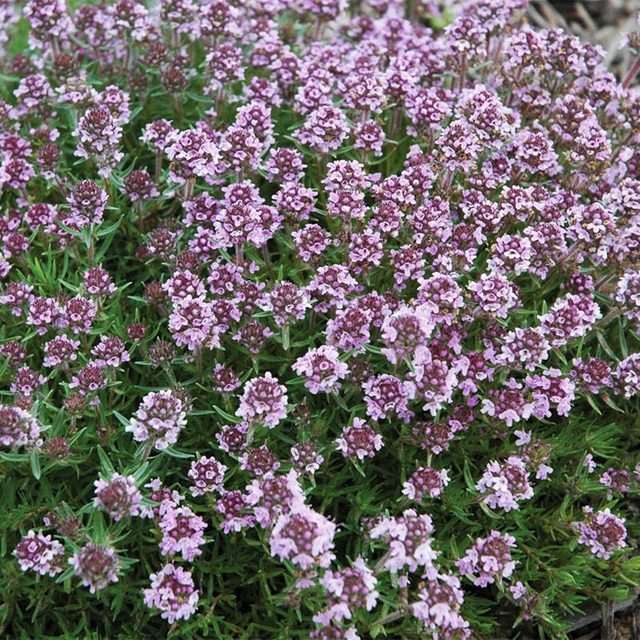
[[316, 321]]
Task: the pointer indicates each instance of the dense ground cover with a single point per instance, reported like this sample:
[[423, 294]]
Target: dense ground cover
[[316, 321]]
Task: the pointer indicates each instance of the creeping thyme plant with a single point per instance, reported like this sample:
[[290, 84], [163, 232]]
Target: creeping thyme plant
[[316, 321]]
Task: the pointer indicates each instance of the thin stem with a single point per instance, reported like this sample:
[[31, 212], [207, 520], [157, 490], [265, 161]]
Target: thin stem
[[600, 284], [380, 564], [612, 315], [139, 217], [158, 165], [622, 144], [392, 617], [147, 450], [635, 67], [91, 248]]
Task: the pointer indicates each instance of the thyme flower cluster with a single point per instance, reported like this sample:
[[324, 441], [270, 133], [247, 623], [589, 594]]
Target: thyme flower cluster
[[319, 319]]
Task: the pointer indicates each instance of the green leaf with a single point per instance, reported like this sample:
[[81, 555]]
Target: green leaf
[[107, 468], [617, 594], [623, 341], [121, 419], [468, 478], [227, 416], [14, 457], [35, 464], [174, 453]]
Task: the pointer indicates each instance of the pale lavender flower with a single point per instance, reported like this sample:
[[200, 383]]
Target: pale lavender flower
[[627, 375], [206, 475], [264, 401], [173, 593], [235, 509], [489, 559], [305, 458], [273, 495], [322, 369], [527, 348], [90, 379], [39, 553], [44, 314], [359, 441], [304, 537], [99, 136], [193, 154], [182, 532], [18, 428], [159, 419], [569, 317], [406, 332], [494, 294], [110, 352], [438, 607], [87, 203], [96, 565], [409, 537], [348, 590], [98, 282], [602, 531], [165, 498], [192, 323], [386, 395], [324, 129], [119, 496], [503, 485], [287, 302], [425, 481]]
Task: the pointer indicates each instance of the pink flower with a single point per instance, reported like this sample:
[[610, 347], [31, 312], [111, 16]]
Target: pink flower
[[287, 302], [181, 532], [359, 441], [425, 481], [488, 559], [192, 323], [18, 428], [172, 592], [504, 485], [568, 318], [264, 401], [165, 498], [406, 332], [305, 458], [273, 495], [110, 352], [438, 606], [207, 475], [119, 496], [324, 129], [96, 565], [601, 531], [386, 395], [321, 369], [87, 203], [39, 553], [409, 538], [494, 294], [234, 507], [304, 537], [159, 419], [348, 590], [192, 154], [99, 136]]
